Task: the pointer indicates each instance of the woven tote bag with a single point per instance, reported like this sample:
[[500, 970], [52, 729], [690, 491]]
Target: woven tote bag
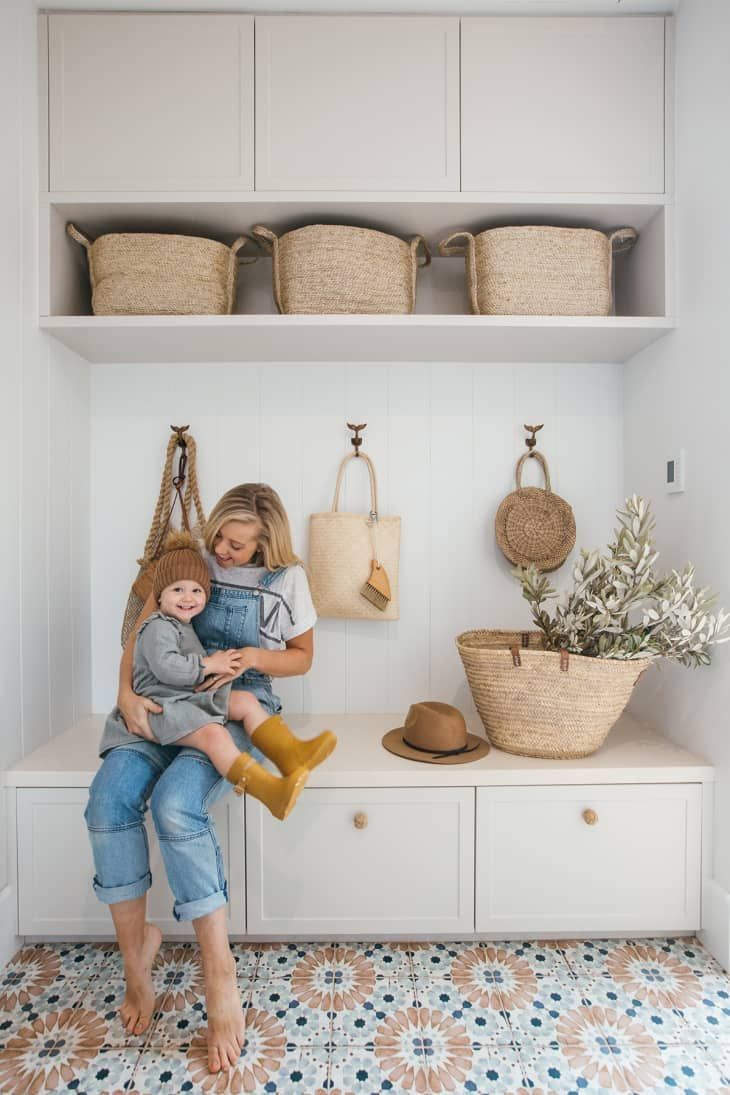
[[537, 270], [544, 703], [333, 269], [179, 488], [535, 525], [148, 273], [342, 548]]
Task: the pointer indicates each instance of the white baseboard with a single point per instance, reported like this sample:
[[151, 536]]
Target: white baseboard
[[715, 934], [10, 942]]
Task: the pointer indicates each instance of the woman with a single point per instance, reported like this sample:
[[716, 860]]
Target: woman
[[260, 604]]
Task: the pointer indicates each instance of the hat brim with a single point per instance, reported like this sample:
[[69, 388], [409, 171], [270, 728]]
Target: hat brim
[[393, 741]]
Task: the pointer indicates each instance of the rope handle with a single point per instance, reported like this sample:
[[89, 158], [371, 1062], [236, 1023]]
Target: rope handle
[[416, 242], [75, 234], [468, 249], [373, 483], [241, 244], [543, 464], [172, 491], [270, 243], [623, 239]]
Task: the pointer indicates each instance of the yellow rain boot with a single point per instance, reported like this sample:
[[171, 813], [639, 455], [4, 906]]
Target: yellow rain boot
[[276, 741], [279, 795]]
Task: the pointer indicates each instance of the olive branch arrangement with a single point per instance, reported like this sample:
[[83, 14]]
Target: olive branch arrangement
[[620, 607]]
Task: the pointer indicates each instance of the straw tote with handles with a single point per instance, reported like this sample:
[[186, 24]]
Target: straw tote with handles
[[342, 550], [181, 488], [535, 525]]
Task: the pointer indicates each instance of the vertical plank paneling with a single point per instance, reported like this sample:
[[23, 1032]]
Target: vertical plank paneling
[[60, 539]]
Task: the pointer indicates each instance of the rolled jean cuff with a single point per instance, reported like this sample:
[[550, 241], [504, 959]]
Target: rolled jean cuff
[[193, 910], [110, 895]]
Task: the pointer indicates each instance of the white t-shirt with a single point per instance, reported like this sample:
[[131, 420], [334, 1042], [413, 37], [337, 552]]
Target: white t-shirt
[[288, 610]]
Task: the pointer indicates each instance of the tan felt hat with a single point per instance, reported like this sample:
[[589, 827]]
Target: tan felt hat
[[435, 733]]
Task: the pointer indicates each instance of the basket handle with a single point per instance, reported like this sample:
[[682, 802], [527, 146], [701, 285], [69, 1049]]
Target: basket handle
[[270, 243], [373, 482], [416, 242], [447, 248], [543, 464], [75, 234], [623, 239], [241, 244]]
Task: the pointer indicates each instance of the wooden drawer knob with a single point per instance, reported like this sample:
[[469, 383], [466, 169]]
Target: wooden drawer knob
[[590, 817], [361, 821]]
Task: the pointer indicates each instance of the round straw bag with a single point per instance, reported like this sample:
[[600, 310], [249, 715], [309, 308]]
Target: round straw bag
[[544, 703], [144, 273], [334, 269], [535, 525], [539, 270]]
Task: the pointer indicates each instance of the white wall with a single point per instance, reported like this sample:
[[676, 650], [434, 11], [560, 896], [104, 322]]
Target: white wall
[[444, 439], [677, 393], [44, 553]]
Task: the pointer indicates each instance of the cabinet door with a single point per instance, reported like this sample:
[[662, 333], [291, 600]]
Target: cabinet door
[[150, 102], [55, 867], [545, 864], [357, 103], [566, 105], [371, 860]]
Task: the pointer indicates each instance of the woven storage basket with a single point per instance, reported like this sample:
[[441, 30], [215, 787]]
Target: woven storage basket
[[543, 703], [145, 273], [334, 269], [535, 525], [539, 270]]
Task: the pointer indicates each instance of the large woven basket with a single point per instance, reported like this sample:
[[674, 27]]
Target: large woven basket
[[539, 270], [146, 273], [334, 269], [543, 703]]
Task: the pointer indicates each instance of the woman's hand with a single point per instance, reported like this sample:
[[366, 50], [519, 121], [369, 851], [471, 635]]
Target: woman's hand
[[135, 711], [223, 663], [246, 657]]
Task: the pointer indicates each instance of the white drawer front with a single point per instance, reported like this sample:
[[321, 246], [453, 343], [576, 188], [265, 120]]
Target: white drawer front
[[541, 867], [55, 867], [409, 869]]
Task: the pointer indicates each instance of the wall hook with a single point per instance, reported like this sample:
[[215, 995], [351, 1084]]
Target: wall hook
[[180, 431], [356, 440], [531, 441]]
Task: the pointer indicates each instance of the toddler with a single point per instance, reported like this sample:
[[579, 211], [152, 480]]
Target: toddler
[[169, 663]]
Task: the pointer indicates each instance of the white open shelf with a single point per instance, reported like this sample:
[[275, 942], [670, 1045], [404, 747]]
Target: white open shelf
[[441, 329], [129, 339]]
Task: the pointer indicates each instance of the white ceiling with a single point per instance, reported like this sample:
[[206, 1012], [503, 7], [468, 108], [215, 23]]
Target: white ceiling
[[446, 7]]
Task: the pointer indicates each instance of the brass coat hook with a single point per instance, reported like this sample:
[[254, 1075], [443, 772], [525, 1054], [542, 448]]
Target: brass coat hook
[[356, 440], [531, 442]]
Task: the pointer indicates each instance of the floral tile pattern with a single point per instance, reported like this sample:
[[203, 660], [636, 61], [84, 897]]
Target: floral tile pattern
[[531, 1017]]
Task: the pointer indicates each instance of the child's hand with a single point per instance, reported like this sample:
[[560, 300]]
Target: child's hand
[[223, 663]]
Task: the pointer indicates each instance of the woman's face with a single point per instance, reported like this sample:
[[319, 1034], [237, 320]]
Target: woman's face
[[237, 543]]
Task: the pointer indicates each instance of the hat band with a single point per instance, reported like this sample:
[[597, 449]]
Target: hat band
[[441, 752]]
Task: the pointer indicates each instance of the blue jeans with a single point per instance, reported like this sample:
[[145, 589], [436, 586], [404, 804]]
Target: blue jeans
[[180, 785]]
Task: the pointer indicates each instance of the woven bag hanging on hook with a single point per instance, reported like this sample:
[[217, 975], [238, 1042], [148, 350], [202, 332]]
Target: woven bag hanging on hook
[[533, 524], [178, 487]]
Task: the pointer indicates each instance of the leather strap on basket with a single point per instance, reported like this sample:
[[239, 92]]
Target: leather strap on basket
[[543, 464], [270, 243], [373, 515], [175, 487], [517, 658], [469, 251]]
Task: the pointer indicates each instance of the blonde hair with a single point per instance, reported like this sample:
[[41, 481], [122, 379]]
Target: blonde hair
[[251, 502]]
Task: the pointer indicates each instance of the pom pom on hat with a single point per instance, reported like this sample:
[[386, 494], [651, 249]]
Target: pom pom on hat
[[180, 561]]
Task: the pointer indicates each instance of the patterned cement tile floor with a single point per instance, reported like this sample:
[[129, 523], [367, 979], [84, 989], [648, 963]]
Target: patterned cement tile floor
[[359, 1019]]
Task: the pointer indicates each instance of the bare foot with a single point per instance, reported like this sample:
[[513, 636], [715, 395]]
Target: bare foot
[[226, 1024], [139, 999]]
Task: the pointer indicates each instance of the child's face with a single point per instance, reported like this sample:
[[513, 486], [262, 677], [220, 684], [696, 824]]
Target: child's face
[[183, 600]]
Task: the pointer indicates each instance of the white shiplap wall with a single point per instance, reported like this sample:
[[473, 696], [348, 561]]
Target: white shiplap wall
[[444, 439]]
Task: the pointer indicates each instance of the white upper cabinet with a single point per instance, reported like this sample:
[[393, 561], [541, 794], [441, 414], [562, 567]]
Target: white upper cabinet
[[563, 105], [150, 102], [357, 103]]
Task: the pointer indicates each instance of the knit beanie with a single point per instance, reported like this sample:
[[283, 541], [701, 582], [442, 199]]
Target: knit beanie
[[180, 561]]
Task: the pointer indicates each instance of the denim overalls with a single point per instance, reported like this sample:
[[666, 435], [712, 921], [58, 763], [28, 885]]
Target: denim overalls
[[180, 784]]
